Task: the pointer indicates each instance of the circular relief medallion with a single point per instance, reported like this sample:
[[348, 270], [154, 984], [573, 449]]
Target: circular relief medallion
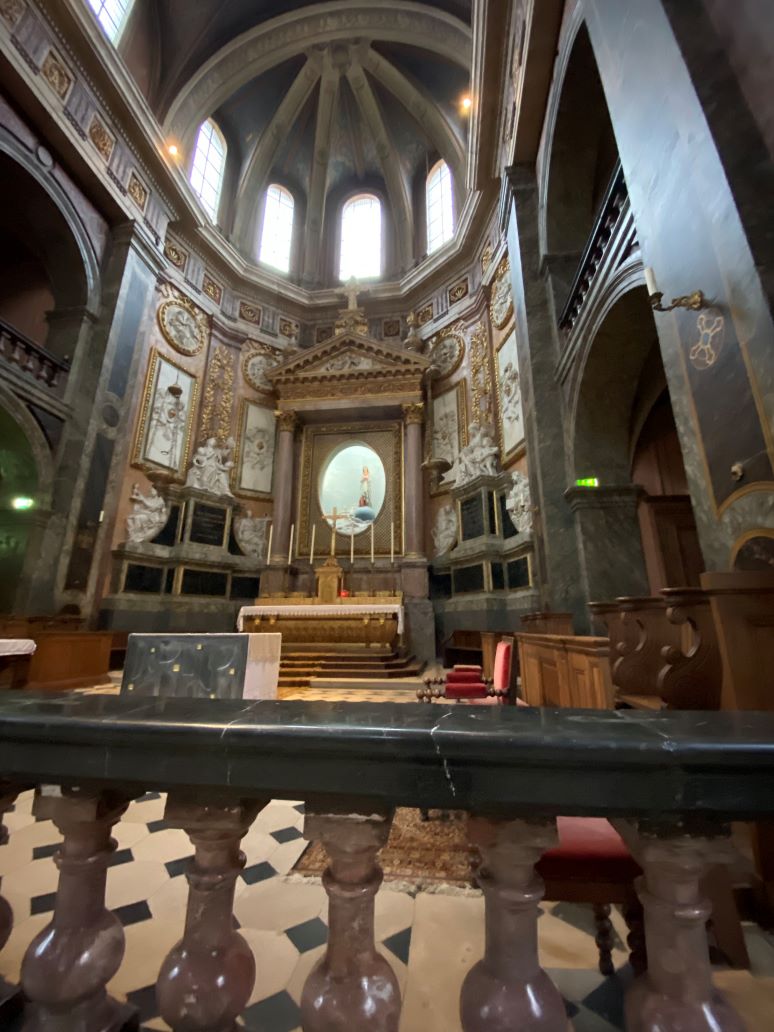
[[254, 367], [447, 354], [182, 328], [501, 305]]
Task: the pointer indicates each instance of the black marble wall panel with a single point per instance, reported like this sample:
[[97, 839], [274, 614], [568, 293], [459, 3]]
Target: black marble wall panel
[[89, 516], [134, 310]]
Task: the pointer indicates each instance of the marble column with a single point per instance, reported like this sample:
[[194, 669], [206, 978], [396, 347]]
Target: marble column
[[508, 989], [609, 541], [352, 986], [283, 490], [413, 493], [676, 991]]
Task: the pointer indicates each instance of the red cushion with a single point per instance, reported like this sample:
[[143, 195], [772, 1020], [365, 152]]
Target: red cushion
[[502, 666], [467, 666], [463, 676], [465, 691], [588, 847]]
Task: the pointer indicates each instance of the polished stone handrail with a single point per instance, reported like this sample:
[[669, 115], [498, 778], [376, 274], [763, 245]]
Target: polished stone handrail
[[602, 763], [669, 781]]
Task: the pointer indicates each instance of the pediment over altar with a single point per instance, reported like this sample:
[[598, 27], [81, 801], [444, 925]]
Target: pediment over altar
[[350, 365]]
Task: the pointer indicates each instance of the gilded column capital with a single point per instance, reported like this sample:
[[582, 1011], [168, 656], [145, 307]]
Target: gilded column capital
[[286, 420], [413, 412]]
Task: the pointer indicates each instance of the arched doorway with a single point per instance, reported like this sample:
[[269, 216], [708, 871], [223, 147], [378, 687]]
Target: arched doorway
[[18, 498]]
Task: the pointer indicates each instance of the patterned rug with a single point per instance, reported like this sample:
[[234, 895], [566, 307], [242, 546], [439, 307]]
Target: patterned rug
[[427, 853]]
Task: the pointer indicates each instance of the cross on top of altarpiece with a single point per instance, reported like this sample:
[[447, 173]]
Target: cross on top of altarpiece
[[333, 518]]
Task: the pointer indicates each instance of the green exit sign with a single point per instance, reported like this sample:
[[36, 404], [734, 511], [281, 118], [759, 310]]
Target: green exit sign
[[587, 482]]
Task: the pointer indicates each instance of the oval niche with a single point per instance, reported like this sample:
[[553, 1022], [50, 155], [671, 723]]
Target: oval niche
[[352, 483]]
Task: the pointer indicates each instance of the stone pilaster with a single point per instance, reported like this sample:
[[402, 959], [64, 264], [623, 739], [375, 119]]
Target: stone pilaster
[[413, 415], [283, 491]]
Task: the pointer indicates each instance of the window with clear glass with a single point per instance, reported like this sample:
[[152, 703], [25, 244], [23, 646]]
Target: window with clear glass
[[361, 238], [112, 15], [208, 166], [277, 232], [440, 206]]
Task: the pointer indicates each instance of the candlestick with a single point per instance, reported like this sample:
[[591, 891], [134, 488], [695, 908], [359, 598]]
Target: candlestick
[[650, 281], [268, 549], [311, 548], [372, 542], [352, 545], [392, 542], [290, 547]]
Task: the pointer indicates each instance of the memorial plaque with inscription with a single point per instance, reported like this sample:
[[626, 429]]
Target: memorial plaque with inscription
[[203, 582], [208, 524], [144, 579], [468, 578], [472, 518]]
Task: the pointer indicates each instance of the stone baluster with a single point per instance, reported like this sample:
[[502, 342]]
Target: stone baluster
[[206, 979], [508, 989], [352, 986], [68, 964], [677, 992], [10, 997], [692, 673]]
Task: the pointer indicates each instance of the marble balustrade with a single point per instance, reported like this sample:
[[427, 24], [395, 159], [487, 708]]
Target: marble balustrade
[[671, 782]]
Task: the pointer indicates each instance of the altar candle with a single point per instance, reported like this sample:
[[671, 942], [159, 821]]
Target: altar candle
[[392, 542], [352, 545], [311, 550], [290, 548], [268, 549], [372, 542]]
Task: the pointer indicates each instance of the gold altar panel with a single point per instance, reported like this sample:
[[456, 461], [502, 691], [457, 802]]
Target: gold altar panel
[[319, 443]]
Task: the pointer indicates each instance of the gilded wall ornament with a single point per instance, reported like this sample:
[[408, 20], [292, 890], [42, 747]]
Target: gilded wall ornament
[[413, 413], [250, 313], [218, 397], [424, 315], [481, 376], [287, 420], [501, 303], [56, 74], [486, 258], [183, 325], [288, 328], [101, 138], [391, 327], [137, 191], [175, 254], [11, 11], [323, 333], [706, 351], [458, 291], [213, 290], [256, 362], [446, 353]]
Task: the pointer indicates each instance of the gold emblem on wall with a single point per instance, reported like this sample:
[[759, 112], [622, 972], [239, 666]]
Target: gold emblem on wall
[[11, 11], [458, 291], [288, 328], [137, 191], [175, 254], [257, 359], [213, 290], [391, 327], [706, 351], [501, 303], [218, 397], [323, 333], [250, 313], [424, 315], [183, 325], [56, 74], [101, 138], [481, 376], [486, 258], [446, 352]]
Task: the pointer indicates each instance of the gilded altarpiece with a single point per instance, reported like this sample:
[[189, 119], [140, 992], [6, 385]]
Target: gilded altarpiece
[[320, 444]]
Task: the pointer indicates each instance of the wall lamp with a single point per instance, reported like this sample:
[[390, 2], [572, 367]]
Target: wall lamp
[[695, 301]]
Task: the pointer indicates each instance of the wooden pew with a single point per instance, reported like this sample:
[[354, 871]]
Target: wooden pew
[[66, 657], [565, 670], [547, 623]]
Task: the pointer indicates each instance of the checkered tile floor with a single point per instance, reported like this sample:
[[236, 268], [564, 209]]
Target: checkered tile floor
[[429, 939]]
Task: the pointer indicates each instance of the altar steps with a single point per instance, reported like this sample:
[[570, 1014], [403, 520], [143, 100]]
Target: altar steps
[[299, 667]]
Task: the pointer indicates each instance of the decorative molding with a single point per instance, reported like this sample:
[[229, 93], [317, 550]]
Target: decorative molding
[[11, 11], [413, 413], [501, 303], [57, 74], [250, 313], [425, 314], [256, 360], [289, 328], [481, 376], [446, 350], [287, 420], [137, 191], [459, 291], [213, 290], [101, 137], [486, 258], [391, 327], [323, 333], [176, 255]]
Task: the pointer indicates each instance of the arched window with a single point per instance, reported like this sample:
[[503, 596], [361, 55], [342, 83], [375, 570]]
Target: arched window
[[440, 206], [277, 232], [208, 166], [361, 238], [112, 15]]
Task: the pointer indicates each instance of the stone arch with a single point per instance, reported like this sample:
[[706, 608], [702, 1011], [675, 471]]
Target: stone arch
[[579, 150]]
